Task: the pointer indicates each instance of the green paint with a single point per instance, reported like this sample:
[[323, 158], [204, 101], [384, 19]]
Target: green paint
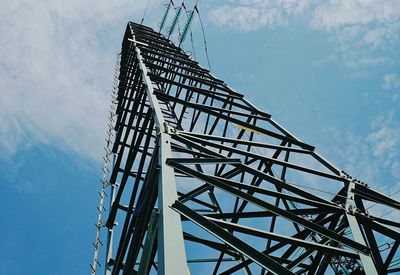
[[164, 18], [175, 21], [186, 27]]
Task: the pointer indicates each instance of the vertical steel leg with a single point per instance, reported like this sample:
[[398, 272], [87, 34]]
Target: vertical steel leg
[[367, 262], [171, 250]]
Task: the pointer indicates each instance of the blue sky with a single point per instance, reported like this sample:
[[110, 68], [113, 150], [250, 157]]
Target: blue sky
[[327, 70]]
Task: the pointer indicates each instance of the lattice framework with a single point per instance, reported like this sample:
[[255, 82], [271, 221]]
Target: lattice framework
[[204, 180]]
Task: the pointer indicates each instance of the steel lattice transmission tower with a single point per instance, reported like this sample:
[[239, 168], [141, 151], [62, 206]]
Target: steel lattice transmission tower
[[205, 181]]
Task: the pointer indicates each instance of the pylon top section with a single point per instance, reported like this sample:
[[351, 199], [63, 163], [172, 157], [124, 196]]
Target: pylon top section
[[204, 174]]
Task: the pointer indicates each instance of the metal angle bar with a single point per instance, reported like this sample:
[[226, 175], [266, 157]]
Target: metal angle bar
[[205, 160], [153, 40], [180, 149], [246, 142], [174, 57], [395, 235], [138, 110], [255, 189], [315, 262], [308, 253], [171, 250], [192, 69], [140, 223], [274, 123], [261, 174], [184, 108], [128, 85], [267, 206], [128, 168], [136, 226], [195, 192], [192, 198], [159, 44], [326, 163], [390, 256], [366, 258], [264, 214], [393, 270], [372, 244], [263, 260], [205, 109], [205, 260], [175, 70], [130, 220], [144, 265], [277, 200], [216, 94], [196, 113], [134, 95], [374, 196], [128, 65], [223, 248], [385, 221], [371, 240], [230, 112], [284, 239], [250, 170], [134, 191], [238, 170], [209, 82], [268, 159], [300, 235], [137, 42], [323, 265]]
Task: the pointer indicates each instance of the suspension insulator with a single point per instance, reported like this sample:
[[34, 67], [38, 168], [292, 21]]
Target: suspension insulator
[[186, 27], [164, 17], [175, 21]]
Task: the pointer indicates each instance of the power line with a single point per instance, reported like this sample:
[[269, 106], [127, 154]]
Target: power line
[[145, 11], [391, 195], [191, 41], [204, 36]]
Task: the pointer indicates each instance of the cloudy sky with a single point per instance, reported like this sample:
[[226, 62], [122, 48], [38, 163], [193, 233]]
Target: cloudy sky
[[327, 70]]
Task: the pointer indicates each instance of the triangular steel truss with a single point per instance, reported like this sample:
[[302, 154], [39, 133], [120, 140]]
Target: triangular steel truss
[[205, 181]]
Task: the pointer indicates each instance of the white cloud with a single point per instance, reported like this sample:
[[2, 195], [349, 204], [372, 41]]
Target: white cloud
[[336, 14], [384, 141], [56, 69], [359, 28], [374, 157], [385, 137], [250, 15], [245, 18], [391, 81]]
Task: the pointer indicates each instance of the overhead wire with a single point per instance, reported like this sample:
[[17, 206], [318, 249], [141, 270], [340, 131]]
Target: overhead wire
[[391, 195], [145, 12], [192, 43], [188, 27], [204, 37]]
